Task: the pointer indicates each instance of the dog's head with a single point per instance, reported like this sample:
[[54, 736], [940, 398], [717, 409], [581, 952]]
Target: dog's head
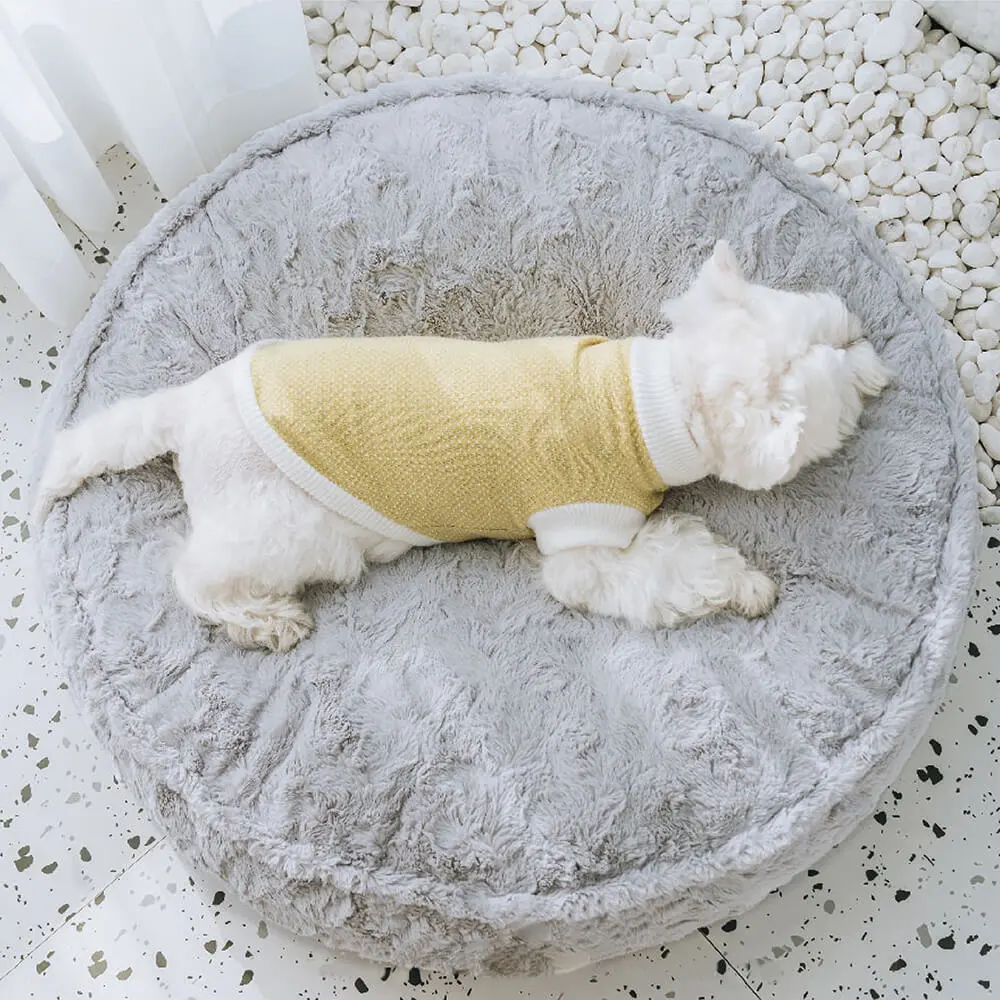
[[771, 380]]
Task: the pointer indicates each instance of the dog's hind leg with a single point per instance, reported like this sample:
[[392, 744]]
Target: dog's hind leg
[[252, 592], [254, 614]]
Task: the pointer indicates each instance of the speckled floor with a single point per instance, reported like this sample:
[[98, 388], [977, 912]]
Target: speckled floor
[[93, 903]]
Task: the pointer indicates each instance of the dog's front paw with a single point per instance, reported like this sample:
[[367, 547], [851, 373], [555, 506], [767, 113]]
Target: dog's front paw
[[754, 593], [276, 633]]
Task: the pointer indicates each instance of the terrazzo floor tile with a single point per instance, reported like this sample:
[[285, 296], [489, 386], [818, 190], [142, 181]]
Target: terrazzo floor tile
[[159, 932], [66, 827], [909, 906]]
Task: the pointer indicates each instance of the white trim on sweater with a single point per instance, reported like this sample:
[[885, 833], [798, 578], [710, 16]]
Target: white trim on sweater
[[674, 454], [300, 472], [575, 525]]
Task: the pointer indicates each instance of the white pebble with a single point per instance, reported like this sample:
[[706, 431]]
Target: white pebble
[[647, 80], [526, 29], [795, 69], [859, 187], [502, 61], [885, 172], [332, 10], [919, 155], [906, 11], [987, 339], [906, 83], [768, 21], [605, 14], [811, 47], [989, 361], [988, 315], [984, 387], [991, 154], [936, 292], [830, 126], [977, 254], [358, 21], [858, 105], [975, 218], [817, 79], [850, 162], [958, 64], [972, 297], [945, 257], [869, 78], [771, 94], [913, 123], [990, 438], [891, 206], [988, 277], [984, 471], [932, 101], [942, 207], [891, 37], [431, 66], [458, 62], [934, 182], [956, 149], [319, 30], [386, 49], [811, 163], [341, 53], [957, 278], [919, 206], [607, 58], [716, 49], [551, 13], [966, 91], [842, 92], [742, 102], [530, 58]]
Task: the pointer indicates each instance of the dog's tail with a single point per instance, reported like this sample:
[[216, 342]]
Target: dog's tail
[[124, 436]]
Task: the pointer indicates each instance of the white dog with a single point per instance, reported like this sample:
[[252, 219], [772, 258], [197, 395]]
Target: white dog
[[764, 382]]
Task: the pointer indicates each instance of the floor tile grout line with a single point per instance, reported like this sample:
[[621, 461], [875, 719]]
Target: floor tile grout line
[[84, 906], [724, 957]]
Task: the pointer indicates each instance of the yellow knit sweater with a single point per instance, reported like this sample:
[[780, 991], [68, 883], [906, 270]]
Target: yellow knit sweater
[[428, 439]]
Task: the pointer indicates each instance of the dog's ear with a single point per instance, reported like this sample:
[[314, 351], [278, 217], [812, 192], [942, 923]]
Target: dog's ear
[[725, 260], [719, 279], [722, 273]]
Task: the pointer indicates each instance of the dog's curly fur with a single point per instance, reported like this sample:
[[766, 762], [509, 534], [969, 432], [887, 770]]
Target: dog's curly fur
[[769, 382]]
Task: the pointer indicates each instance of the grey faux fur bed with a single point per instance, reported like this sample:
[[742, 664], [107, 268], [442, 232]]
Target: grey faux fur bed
[[454, 771]]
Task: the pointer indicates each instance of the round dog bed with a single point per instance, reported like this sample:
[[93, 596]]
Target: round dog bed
[[453, 770]]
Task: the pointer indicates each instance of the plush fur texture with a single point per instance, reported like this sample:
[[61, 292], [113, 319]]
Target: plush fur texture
[[453, 770], [767, 382]]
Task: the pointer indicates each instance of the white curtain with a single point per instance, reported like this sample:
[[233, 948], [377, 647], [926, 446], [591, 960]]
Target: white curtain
[[179, 82]]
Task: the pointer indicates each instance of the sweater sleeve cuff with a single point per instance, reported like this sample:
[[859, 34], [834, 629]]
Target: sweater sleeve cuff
[[576, 525]]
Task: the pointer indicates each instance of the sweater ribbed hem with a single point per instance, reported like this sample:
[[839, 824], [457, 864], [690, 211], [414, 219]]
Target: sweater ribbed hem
[[673, 453], [301, 473], [574, 525]]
